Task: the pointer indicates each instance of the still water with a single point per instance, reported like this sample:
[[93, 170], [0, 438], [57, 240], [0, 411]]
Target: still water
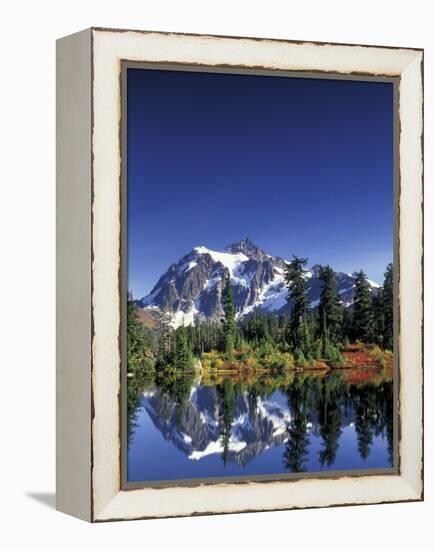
[[182, 428]]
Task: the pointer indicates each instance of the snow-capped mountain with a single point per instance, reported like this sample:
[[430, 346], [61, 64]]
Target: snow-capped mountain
[[191, 289]]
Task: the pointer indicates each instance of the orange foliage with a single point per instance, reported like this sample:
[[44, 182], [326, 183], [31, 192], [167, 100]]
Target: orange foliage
[[358, 358], [359, 355]]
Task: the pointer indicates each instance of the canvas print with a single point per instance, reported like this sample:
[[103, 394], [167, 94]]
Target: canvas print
[[260, 287]]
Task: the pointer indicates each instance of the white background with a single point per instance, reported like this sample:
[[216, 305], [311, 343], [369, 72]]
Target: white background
[[27, 398]]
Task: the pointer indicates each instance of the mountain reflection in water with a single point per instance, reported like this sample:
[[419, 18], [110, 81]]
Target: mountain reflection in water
[[182, 428]]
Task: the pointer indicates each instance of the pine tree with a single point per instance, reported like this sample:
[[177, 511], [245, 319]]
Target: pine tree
[[378, 312], [363, 316], [165, 340], [140, 343], [329, 309], [135, 340], [296, 283], [273, 328], [229, 326], [387, 303], [347, 325], [183, 357], [304, 339], [330, 351]]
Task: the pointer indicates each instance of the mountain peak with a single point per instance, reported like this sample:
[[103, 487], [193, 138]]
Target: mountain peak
[[191, 289], [247, 247]]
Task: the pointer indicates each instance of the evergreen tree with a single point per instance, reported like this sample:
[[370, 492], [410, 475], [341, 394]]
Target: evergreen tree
[[165, 340], [378, 312], [347, 324], [363, 316], [135, 341], [140, 345], [304, 339], [183, 357], [296, 283], [329, 309], [330, 351], [229, 326], [387, 299], [273, 327]]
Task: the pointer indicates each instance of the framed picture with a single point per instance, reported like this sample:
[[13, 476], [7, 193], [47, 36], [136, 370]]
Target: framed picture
[[239, 266]]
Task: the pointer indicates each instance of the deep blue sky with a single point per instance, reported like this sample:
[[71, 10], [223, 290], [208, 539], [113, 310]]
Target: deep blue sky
[[300, 166]]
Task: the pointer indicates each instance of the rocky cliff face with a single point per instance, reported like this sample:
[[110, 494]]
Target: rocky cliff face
[[191, 289]]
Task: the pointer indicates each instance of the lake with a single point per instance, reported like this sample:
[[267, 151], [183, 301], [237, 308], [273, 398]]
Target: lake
[[184, 427]]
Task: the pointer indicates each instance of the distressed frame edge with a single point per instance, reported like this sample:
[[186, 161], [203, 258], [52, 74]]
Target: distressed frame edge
[[412, 492], [73, 292], [412, 131], [253, 38]]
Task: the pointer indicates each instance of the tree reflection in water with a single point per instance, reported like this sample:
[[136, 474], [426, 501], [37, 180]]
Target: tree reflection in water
[[323, 401], [299, 401], [227, 414]]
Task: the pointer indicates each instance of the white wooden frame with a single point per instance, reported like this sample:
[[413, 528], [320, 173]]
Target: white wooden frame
[[88, 264]]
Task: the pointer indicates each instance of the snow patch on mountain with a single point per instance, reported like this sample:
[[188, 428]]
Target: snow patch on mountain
[[233, 262], [184, 318], [187, 266], [216, 447], [230, 261], [275, 297]]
